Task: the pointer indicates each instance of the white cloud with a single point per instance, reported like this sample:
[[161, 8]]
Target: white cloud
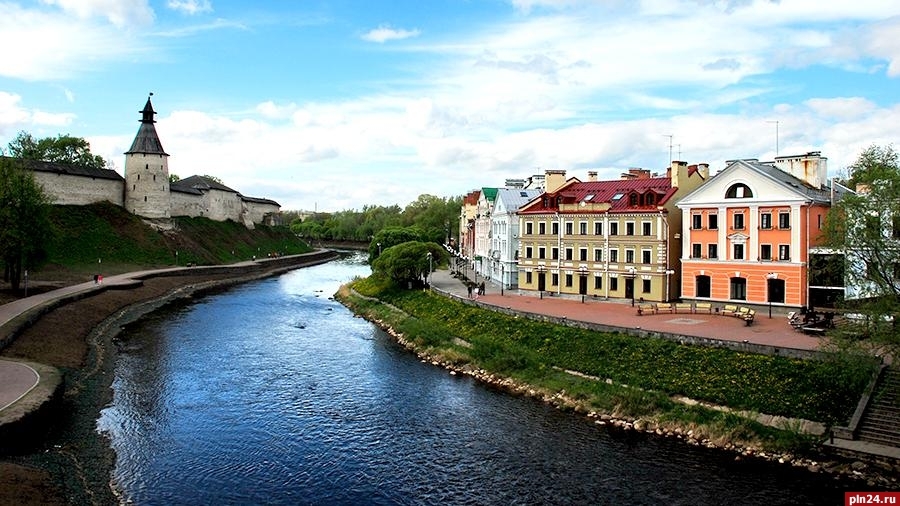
[[121, 13], [190, 7], [50, 45], [385, 33], [14, 117]]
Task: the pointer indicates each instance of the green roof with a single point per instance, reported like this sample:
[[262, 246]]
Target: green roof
[[489, 193]]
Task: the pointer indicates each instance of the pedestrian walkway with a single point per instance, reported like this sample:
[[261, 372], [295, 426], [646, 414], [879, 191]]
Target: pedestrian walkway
[[764, 331]]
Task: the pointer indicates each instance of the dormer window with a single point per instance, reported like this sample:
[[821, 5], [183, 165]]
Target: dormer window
[[633, 200], [650, 199], [739, 191]]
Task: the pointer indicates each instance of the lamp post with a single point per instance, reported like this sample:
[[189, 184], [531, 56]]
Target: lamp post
[[379, 248], [769, 277], [632, 275], [429, 270], [502, 279], [669, 272]]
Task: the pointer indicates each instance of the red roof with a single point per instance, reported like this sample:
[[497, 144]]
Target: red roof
[[607, 191]]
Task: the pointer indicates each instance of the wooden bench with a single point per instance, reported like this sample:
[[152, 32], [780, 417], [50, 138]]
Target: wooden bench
[[646, 309], [665, 308], [683, 307], [748, 316], [729, 310], [703, 306]]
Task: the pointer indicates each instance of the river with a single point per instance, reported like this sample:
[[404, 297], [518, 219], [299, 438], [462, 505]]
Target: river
[[272, 393]]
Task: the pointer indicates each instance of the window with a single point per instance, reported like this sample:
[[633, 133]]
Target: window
[[528, 227], [629, 256], [696, 221], [582, 254], [738, 191], [542, 228], [629, 228], [528, 252], [738, 221], [554, 279], [569, 253], [646, 226], [598, 282], [598, 228], [784, 220], [614, 228], [554, 253], [614, 284], [554, 228], [738, 251], [645, 256], [633, 200], [765, 221], [712, 250], [528, 278], [765, 252], [713, 221], [598, 255], [784, 252], [613, 255], [569, 280], [650, 199], [738, 288], [646, 287], [569, 226], [703, 286], [542, 252], [696, 250], [582, 228]]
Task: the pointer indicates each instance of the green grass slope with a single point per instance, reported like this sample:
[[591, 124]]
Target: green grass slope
[[105, 238]]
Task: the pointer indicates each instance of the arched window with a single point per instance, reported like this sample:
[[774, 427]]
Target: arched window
[[739, 191], [703, 286], [633, 200], [650, 199]]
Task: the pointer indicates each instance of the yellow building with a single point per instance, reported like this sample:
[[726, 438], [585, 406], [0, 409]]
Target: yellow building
[[617, 239]]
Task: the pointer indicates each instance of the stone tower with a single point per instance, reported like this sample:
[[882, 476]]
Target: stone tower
[[147, 171]]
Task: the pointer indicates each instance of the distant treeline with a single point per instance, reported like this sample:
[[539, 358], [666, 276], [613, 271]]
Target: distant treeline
[[436, 218]]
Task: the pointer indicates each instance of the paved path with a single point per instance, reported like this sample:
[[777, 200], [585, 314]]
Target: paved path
[[16, 380], [773, 332]]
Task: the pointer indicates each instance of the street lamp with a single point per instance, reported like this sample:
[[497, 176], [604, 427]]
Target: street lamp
[[379, 248], [769, 277], [632, 274], [502, 279], [669, 272], [429, 270]]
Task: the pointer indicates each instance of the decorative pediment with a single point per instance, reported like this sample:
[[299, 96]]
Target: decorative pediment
[[738, 238]]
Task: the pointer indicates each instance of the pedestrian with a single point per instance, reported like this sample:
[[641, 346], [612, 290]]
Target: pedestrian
[[469, 288], [481, 288]]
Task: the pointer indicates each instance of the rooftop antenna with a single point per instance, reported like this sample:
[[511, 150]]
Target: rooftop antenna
[[679, 151], [670, 147], [776, 136]]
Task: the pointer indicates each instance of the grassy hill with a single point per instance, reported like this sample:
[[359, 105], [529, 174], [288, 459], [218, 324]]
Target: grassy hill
[[105, 238]]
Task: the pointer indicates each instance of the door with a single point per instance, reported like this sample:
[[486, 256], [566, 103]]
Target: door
[[542, 281], [629, 288], [582, 284]]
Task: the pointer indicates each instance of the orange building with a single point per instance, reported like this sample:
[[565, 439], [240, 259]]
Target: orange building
[[746, 234]]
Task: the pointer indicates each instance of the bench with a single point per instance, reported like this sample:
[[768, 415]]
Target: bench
[[748, 316], [729, 310], [683, 307], [646, 309], [665, 308], [703, 306]]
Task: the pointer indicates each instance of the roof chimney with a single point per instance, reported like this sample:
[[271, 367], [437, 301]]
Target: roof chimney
[[554, 179], [592, 175], [812, 167], [636, 173]]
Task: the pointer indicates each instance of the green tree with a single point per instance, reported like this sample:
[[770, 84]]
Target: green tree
[[173, 178], [25, 230], [62, 149], [213, 178], [407, 264], [391, 236], [865, 226]]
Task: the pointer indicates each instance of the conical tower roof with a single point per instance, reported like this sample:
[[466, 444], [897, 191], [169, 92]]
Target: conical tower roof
[[147, 141]]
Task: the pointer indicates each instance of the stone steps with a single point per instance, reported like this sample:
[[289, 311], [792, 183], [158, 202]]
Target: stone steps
[[881, 422]]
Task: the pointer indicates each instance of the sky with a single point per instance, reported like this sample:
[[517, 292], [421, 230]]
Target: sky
[[332, 105]]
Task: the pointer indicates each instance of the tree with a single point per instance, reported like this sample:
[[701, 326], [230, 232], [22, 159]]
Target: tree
[[62, 149], [391, 236], [173, 178], [213, 178], [24, 222], [865, 226], [407, 264]]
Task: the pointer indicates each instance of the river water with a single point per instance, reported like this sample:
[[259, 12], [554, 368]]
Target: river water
[[272, 393]]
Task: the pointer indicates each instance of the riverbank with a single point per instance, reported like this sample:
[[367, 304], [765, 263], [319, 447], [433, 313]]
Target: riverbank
[[68, 461], [605, 401]]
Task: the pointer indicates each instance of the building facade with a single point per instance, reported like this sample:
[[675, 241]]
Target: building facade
[[747, 234], [502, 261], [616, 239]]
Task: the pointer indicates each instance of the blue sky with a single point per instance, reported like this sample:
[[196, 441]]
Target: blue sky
[[336, 104]]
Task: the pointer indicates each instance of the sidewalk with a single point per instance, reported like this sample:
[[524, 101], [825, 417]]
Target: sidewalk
[[764, 331]]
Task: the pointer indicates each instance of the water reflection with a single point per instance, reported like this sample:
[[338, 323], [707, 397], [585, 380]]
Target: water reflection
[[272, 393]]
